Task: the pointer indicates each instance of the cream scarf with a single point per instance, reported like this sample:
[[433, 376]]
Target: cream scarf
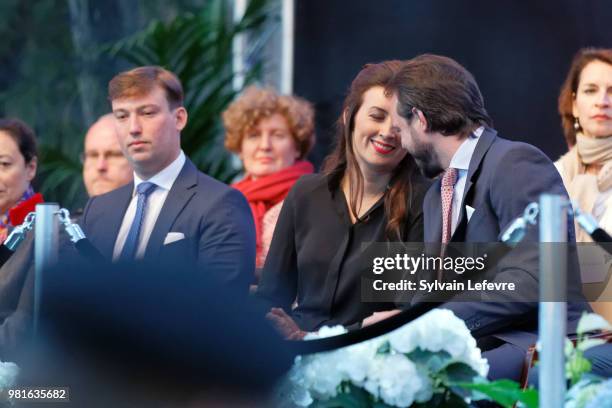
[[584, 188]]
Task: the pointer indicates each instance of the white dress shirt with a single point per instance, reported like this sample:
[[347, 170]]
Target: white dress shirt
[[461, 161], [164, 181]]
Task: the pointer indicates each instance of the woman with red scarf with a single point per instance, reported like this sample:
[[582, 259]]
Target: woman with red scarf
[[272, 134], [18, 162], [17, 169]]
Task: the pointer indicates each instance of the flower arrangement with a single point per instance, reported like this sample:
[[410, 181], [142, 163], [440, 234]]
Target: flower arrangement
[[590, 393], [421, 362], [430, 362], [587, 391]]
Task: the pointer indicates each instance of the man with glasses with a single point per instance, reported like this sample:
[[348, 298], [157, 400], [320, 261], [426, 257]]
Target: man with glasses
[[105, 168]]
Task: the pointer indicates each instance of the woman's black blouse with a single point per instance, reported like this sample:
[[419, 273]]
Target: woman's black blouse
[[316, 257]]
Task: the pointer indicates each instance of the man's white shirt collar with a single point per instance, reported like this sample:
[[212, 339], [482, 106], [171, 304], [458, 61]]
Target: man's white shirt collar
[[462, 157], [165, 178]]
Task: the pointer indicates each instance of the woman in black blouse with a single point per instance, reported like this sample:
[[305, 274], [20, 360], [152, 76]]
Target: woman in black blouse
[[370, 191]]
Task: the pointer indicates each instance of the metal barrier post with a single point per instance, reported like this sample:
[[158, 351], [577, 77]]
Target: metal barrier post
[[45, 249], [553, 314]]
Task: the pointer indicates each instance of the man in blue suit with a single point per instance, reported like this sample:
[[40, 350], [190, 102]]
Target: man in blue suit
[[486, 182], [171, 211]]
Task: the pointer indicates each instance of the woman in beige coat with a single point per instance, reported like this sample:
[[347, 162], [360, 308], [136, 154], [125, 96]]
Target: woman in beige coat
[[585, 106]]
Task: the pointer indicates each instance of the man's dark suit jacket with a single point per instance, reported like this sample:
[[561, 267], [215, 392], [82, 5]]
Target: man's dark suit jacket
[[502, 179], [215, 219]]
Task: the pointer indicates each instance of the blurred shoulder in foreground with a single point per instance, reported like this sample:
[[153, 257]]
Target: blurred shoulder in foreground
[[138, 335]]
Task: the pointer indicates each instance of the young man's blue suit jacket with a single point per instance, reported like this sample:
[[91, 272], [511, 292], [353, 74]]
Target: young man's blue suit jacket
[[214, 218], [503, 178]]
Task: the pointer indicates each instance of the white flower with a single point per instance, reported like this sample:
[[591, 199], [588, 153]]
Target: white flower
[[316, 376], [603, 398], [290, 395], [582, 392], [475, 360], [8, 374], [301, 396], [319, 374], [567, 350], [357, 360], [432, 332], [389, 376], [440, 330], [371, 381], [326, 331], [394, 379], [591, 322]]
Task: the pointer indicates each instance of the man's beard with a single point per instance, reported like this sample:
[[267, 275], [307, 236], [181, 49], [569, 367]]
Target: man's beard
[[427, 160]]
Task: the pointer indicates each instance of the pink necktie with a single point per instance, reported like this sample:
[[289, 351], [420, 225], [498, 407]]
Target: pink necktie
[[448, 183]]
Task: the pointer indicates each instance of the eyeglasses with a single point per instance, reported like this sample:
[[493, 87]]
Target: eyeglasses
[[109, 155]]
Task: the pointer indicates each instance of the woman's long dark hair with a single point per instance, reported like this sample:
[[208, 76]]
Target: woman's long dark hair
[[342, 160]]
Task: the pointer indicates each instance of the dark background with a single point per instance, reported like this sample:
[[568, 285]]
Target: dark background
[[519, 52]]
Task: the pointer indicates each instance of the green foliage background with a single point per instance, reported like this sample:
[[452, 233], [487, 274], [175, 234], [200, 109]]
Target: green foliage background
[[57, 57]]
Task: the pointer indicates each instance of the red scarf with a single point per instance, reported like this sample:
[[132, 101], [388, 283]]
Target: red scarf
[[16, 215], [265, 192]]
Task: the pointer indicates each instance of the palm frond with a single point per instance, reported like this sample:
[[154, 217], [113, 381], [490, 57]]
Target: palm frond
[[62, 175]]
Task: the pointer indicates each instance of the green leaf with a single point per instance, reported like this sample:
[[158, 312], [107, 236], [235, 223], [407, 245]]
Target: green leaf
[[434, 361], [459, 372], [62, 175], [384, 348], [443, 400], [355, 397], [576, 366], [504, 392]]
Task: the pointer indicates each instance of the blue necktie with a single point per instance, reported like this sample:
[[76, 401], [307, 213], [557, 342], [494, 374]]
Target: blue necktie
[[131, 243]]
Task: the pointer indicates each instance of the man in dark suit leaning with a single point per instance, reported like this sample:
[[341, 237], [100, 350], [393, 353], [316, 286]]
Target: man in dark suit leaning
[[171, 211], [486, 183]]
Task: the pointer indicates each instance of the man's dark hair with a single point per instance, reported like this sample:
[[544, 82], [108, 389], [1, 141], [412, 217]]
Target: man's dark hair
[[444, 91]]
